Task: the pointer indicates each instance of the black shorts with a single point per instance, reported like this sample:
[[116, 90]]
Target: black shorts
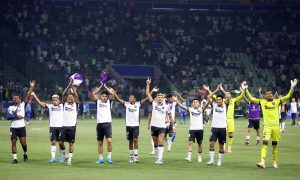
[[16, 133], [54, 133], [103, 129], [253, 124], [218, 134], [196, 134], [132, 132], [156, 131], [67, 134]]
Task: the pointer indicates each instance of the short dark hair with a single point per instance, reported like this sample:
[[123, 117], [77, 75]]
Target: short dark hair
[[220, 96], [269, 89], [169, 96], [104, 92], [196, 99]]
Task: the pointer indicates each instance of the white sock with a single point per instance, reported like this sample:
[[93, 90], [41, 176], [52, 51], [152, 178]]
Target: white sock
[[152, 143], [170, 141], [200, 155], [248, 138], [257, 138], [221, 156], [211, 155], [161, 152], [283, 124], [136, 151], [109, 155], [14, 156], [189, 154], [53, 151], [101, 156], [70, 156], [131, 153], [156, 152]]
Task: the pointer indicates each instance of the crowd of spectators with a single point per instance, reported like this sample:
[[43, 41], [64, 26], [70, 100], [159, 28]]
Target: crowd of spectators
[[191, 47]]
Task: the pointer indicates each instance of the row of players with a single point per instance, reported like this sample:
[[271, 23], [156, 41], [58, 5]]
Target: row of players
[[63, 119]]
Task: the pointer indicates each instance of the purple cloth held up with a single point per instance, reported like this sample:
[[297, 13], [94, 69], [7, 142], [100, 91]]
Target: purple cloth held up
[[104, 77]]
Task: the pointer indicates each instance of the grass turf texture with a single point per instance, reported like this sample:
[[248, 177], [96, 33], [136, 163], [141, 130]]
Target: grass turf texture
[[238, 165]]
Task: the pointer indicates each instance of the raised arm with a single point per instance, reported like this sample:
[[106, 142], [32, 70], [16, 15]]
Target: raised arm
[[209, 100], [38, 100], [148, 82], [149, 120], [95, 92], [289, 95], [238, 98], [250, 98], [227, 98], [179, 96], [110, 91], [213, 93], [64, 94], [206, 87], [182, 106], [118, 98], [259, 93], [32, 84], [76, 98]]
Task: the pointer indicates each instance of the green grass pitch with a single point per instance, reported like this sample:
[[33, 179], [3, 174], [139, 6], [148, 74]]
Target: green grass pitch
[[238, 165]]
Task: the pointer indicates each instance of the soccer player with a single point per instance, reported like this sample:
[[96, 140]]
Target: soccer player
[[196, 126], [16, 113], [160, 114], [253, 121], [270, 110], [218, 126], [170, 129], [56, 116], [104, 121], [293, 107], [132, 123], [298, 108], [68, 132]]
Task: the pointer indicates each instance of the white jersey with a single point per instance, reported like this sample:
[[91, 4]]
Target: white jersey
[[219, 119], [70, 114], [103, 111], [56, 115], [196, 118], [159, 115], [172, 107], [20, 110], [293, 107], [132, 113]]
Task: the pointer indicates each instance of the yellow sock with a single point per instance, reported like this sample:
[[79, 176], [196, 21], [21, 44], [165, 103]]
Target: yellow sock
[[263, 153], [230, 140], [275, 154]]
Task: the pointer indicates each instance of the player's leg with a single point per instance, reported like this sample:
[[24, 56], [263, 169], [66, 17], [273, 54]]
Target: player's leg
[[160, 142], [264, 148], [135, 136], [299, 119], [222, 141], [71, 140], [275, 139], [294, 119], [130, 143], [100, 137], [13, 138], [248, 132], [22, 137], [53, 144], [230, 124], [108, 136], [256, 127], [199, 137], [184, 118], [172, 134], [212, 141], [190, 145], [180, 117]]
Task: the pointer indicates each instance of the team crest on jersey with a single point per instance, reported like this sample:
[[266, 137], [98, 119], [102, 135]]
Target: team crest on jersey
[[273, 103], [135, 106]]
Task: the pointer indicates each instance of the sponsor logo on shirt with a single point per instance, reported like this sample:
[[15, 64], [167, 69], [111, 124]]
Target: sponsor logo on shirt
[[55, 109], [102, 105], [159, 109], [219, 110], [132, 110], [198, 113], [269, 107], [68, 109]]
